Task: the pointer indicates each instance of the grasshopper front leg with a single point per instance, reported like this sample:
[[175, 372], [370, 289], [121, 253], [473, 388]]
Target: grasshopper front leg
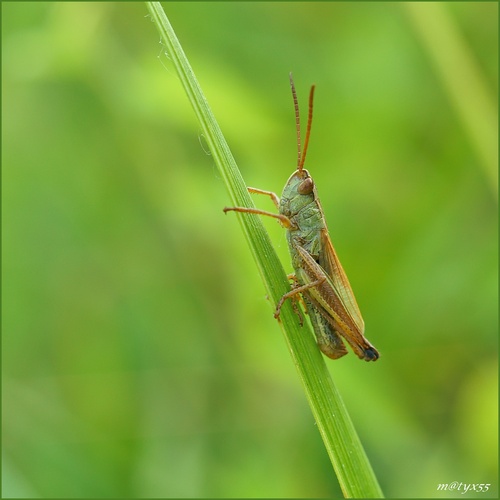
[[272, 195], [285, 221]]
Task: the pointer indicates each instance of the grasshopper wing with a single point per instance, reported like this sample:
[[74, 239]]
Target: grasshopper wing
[[329, 261]]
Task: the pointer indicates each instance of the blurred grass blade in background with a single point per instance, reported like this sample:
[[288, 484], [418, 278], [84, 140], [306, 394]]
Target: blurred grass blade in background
[[462, 80], [350, 463]]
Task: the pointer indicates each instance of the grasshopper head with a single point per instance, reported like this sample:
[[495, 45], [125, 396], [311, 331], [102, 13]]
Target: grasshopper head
[[300, 183], [298, 192]]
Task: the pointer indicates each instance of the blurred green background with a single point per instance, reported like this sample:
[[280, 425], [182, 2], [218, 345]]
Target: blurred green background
[[140, 355]]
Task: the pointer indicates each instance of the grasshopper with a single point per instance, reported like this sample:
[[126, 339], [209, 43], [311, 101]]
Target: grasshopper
[[319, 277]]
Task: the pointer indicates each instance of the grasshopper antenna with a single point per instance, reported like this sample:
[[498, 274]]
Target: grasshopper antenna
[[301, 155], [297, 121], [308, 131]]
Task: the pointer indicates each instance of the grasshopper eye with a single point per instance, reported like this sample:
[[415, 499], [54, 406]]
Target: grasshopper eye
[[306, 186]]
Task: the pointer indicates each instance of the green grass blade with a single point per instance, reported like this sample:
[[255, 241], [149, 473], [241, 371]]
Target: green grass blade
[[346, 453]]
